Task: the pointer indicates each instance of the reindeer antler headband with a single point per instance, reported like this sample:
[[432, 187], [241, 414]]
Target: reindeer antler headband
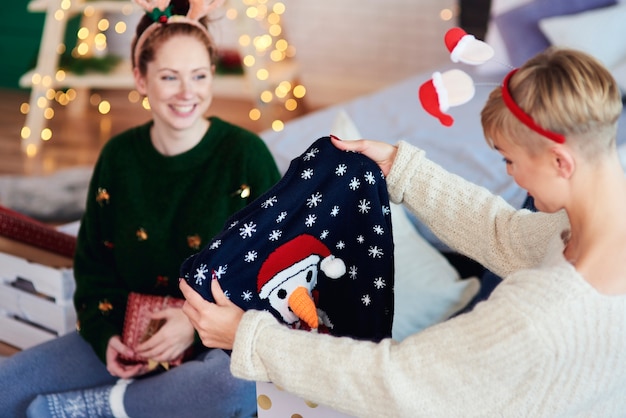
[[160, 11], [455, 87]]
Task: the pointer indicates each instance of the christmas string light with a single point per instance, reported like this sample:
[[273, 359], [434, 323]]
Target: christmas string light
[[89, 53], [267, 56]]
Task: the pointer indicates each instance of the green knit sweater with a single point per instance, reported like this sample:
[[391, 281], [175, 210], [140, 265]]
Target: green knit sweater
[[146, 213]]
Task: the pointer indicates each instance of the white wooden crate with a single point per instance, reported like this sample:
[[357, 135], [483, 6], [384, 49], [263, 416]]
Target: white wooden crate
[[35, 301], [22, 335]]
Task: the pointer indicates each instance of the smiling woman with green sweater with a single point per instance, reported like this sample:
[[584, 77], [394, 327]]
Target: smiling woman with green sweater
[[148, 212]]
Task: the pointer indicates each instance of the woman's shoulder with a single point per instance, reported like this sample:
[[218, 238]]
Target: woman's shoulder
[[120, 151], [233, 132], [237, 140], [546, 288], [126, 139]]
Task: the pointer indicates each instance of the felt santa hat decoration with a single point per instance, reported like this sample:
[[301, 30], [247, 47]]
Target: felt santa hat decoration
[[466, 48], [443, 90]]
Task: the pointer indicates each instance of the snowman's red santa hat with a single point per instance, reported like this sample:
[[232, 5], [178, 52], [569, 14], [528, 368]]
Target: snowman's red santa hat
[[294, 256]]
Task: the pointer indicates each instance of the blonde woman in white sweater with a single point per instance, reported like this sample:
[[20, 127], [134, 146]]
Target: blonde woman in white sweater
[[551, 339]]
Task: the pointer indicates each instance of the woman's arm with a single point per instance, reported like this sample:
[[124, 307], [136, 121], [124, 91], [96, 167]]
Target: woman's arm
[[465, 216], [99, 301], [437, 372]]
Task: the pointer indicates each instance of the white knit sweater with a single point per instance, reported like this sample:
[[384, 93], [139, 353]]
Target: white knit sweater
[[545, 344]]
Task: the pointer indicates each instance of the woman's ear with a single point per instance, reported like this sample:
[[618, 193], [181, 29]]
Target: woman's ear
[[563, 161], [140, 81]]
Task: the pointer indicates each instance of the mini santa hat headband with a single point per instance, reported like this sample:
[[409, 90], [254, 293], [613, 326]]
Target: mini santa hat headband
[[160, 11], [455, 87], [524, 117]]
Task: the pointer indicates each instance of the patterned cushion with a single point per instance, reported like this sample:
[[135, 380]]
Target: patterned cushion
[[520, 30]]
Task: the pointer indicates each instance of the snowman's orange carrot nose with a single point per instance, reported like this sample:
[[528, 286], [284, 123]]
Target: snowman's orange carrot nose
[[302, 305]]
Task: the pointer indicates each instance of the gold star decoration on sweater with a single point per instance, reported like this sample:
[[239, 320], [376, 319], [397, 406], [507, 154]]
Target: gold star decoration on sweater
[[194, 241], [102, 197], [142, 235], [105, 306]]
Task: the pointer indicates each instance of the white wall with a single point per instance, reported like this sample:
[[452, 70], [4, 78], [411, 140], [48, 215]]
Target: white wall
[[347, 47]]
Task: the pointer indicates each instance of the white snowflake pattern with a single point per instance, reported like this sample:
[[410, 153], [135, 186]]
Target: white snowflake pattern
[[375, 252], [324, 234], [352, 272], [367, 300], [233, 223], [341, 169], [246, 295], [221, 270], [269, 202], [307, 174], [334, 211], [340, 245], [281, 217], [310, 220], [310, 154], [227, 294], [247, 230], [369, 177], [386, 209], [250, 256], [360, 239], [364, 206], [354, 183], [215, 244], [275, 235], [379, 283], [378, 229], [314, 200], [200, 275]]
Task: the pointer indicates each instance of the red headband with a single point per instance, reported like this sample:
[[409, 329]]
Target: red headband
[[524, 117]]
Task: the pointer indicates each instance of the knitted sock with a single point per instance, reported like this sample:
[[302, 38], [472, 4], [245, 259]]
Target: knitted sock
[[103, 402]]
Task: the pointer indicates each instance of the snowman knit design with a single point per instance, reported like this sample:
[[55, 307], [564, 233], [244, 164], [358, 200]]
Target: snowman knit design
[[316, 250]]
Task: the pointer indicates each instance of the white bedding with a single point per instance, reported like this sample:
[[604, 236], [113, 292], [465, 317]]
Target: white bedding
[[394, 114]]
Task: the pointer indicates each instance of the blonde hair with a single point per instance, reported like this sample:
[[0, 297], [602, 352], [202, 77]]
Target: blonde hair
[[564, 91]]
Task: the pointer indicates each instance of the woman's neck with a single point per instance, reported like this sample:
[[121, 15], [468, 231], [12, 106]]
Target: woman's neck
[[171, 142], [597, 243]]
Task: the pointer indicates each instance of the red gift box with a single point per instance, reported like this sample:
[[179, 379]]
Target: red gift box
[[138, 326]]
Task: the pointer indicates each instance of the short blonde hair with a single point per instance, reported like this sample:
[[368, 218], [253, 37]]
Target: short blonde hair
[[564, 91]]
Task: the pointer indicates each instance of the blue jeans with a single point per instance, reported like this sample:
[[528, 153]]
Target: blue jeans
[[200, 387]]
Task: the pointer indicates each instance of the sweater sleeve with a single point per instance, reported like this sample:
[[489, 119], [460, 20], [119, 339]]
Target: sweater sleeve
[[99, 300], [485, 360], [469, 218]]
